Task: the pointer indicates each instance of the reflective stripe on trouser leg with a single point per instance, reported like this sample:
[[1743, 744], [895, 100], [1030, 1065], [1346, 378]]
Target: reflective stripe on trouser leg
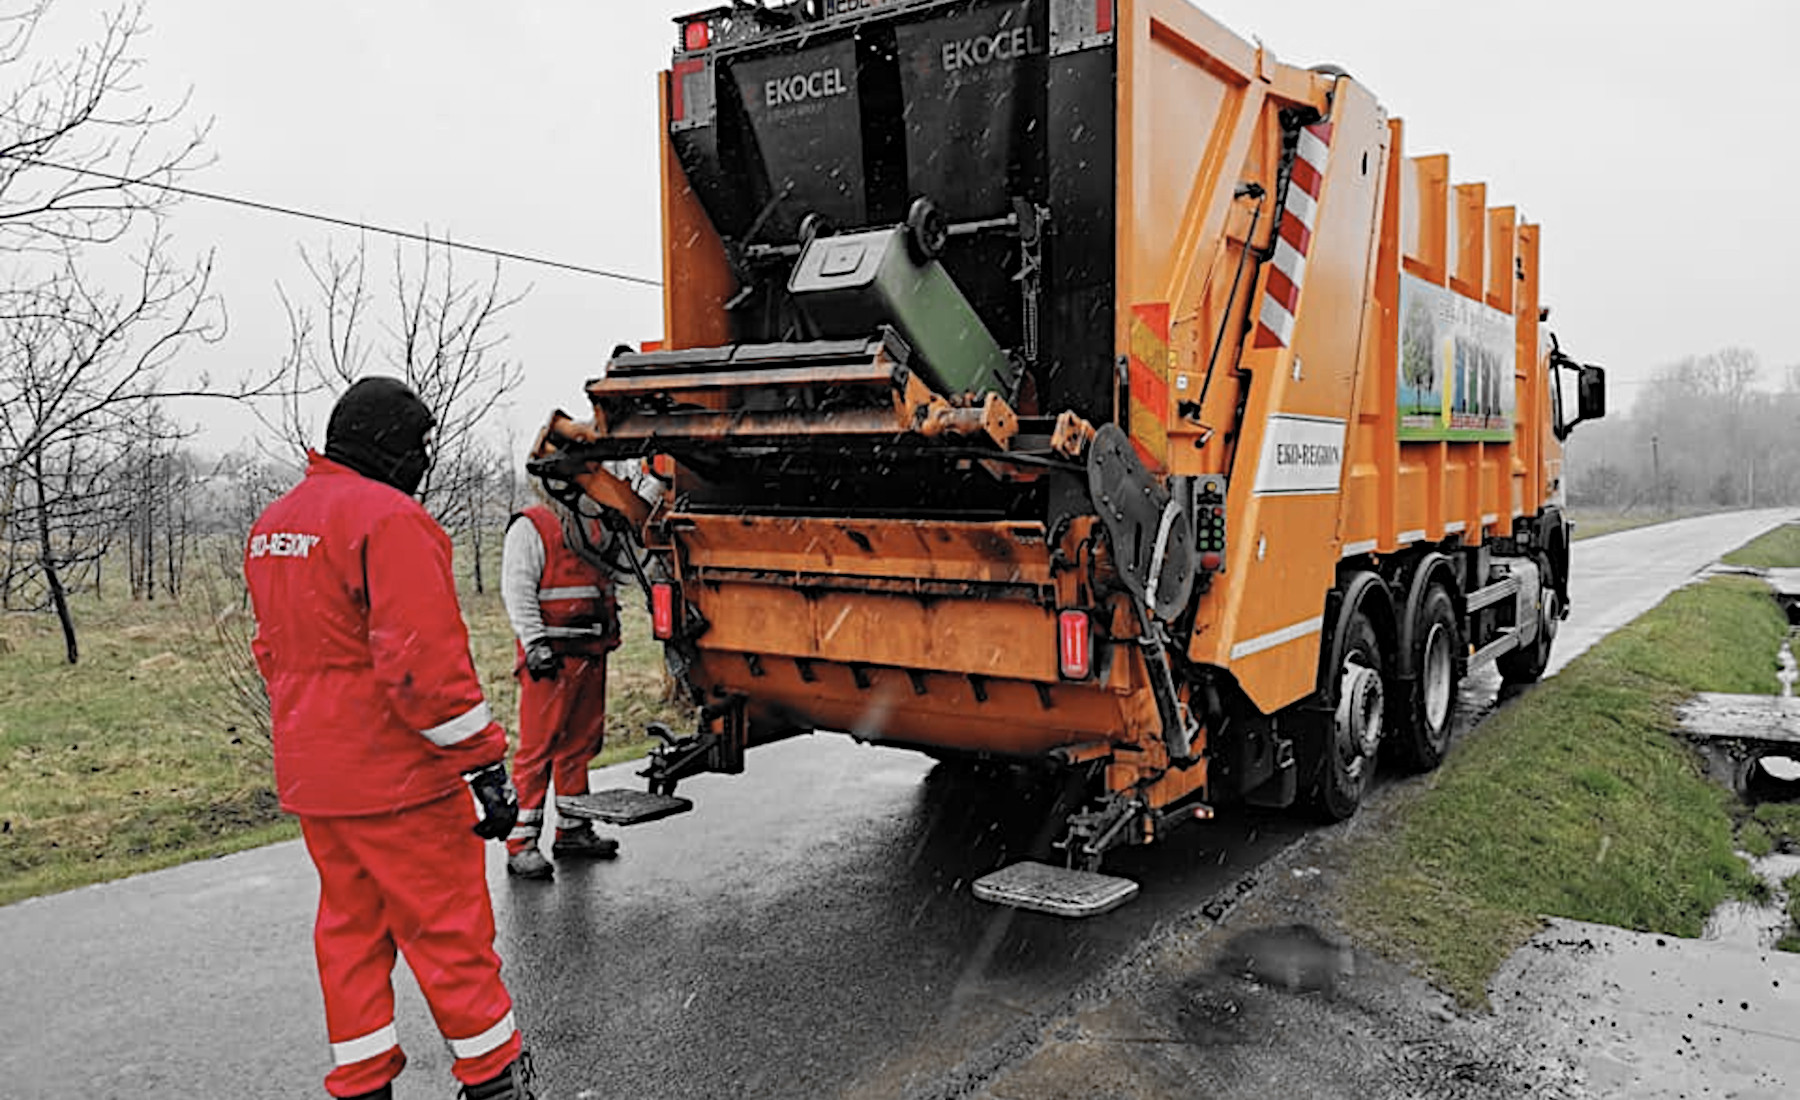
[[481, 1057], [363, 1047], [532, 763], [439, 913], [525, 834], [355, 956], [485, 1043]]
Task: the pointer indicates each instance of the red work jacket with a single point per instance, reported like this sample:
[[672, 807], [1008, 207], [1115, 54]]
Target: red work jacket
[[375, 701], [575, 597]]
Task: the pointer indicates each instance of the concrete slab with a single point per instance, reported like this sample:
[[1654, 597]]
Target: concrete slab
[[1785, 582], [1766, 718], [1654, 1016]]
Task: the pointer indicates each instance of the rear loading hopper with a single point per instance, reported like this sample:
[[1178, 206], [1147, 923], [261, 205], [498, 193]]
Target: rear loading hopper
[[1035, 388]]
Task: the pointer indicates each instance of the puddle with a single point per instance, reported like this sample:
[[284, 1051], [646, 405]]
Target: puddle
[[1295, 957], [1751, 926]]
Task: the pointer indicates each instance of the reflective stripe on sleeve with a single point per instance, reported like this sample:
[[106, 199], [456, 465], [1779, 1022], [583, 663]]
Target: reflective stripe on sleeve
[[573, 632], [462, 727], [364, 1047], [576, 592], [491, 1039]]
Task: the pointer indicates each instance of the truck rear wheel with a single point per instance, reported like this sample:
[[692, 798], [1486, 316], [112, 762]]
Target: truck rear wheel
[[1527, 664], [1421, 744], [1352, 734]]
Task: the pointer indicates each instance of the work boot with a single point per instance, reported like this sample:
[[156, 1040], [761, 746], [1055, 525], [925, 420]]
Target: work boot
[[529, 864], [513, 1083], [582, 842], [385, 1092]]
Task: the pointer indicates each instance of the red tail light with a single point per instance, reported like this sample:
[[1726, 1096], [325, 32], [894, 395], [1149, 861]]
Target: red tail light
[[1103, 16], [662, 610], [1074, 645], [696, 35]]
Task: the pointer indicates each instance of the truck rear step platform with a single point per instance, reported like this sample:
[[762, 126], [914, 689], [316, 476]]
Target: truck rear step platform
[[1060, 891], [623, 806]]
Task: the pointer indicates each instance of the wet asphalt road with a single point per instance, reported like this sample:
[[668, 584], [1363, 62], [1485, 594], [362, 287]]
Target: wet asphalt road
[[807, 931]]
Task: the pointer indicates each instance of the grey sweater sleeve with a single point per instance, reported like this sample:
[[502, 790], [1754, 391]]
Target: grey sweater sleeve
[[521, 564]]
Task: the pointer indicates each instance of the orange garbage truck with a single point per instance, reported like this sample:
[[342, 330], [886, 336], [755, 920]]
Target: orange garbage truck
[[1073, 382]]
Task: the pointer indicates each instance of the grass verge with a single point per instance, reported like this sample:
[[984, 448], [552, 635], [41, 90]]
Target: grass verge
[[1574, 801], [127, 762], [1777, 549], [139, 757]]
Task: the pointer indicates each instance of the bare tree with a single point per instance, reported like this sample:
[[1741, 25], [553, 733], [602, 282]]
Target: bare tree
[[432, 328], [82, 158], [1702, 434], [94, 306], [158, 512], [239, 486], [78, 365], [64, 517]]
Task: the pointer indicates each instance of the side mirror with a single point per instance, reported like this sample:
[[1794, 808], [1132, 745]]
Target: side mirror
[[1590, 393]]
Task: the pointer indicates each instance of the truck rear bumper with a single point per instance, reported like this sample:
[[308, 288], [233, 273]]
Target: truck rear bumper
[[928, 709]]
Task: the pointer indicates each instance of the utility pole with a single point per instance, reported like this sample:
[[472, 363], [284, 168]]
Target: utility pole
[[1656, 474]]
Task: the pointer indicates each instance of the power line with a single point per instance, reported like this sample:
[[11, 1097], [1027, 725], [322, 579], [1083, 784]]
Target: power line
[[270, 208]]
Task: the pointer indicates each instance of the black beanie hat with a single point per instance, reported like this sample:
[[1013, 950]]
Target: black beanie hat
[[378, 429]]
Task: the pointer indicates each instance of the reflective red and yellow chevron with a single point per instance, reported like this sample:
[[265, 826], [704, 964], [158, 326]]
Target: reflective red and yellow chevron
[[1299, 213], [1147, 375]]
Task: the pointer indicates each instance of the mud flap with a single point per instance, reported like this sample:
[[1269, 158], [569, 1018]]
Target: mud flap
[[623, 806], [1059, 891]]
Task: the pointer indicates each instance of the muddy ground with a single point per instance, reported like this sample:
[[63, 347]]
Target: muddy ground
[[1273, 999]]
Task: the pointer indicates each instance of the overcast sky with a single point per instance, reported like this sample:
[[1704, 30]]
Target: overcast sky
[[1653, 147]]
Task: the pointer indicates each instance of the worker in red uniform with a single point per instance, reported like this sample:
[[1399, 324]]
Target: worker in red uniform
[[381, 735], [558, 593]]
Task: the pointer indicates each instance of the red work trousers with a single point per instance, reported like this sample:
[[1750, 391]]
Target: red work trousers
[[415, 881], [562, 724]]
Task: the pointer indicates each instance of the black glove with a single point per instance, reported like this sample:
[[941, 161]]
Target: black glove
[[541, 662], [499, 801]]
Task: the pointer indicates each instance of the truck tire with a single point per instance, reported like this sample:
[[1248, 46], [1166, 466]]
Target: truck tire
[[1419, 745], [1347, 750], [1526, 665]]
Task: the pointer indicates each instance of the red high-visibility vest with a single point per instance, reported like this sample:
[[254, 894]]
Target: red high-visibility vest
[[581, 614]]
